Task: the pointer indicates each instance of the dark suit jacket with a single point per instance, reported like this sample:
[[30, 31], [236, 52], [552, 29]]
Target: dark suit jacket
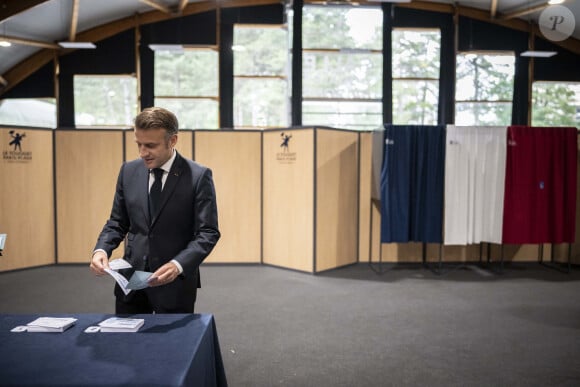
[[185, 228]]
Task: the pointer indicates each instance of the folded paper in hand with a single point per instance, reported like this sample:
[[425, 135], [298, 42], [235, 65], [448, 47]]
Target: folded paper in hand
[[139, 280], [119, 263]]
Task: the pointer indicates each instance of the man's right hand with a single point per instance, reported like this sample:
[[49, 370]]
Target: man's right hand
[[99, 263]]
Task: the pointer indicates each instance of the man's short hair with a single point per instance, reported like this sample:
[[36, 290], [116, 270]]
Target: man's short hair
[[157, 118]]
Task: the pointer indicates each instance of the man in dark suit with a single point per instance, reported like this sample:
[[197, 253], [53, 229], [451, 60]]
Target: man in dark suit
[[169, 233]]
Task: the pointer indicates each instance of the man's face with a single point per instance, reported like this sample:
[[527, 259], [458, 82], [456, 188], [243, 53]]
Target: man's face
[[154, 149]]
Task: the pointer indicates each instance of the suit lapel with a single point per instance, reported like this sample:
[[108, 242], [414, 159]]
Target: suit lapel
[[142, 180]]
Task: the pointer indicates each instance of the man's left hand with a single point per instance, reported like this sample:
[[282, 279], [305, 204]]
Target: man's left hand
[[164, 275]]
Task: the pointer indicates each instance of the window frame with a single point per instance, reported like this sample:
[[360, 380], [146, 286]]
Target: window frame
[[576, 117], [344, 51], [30, 123], [498, 101], [107, 76], [401, 80], [256, 77], [210, 98]]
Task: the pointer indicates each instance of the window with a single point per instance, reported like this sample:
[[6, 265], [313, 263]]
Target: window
[[186, 82], [555, 104], [105, 100], [416, 61], [342, 67], [484, 89], [260, 82], [38, 112]]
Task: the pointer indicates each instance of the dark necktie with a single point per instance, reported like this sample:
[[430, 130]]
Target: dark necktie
[[155, 192]]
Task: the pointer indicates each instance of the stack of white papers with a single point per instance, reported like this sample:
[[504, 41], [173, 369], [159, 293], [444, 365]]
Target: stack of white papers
[[50, 324], [121, 324]]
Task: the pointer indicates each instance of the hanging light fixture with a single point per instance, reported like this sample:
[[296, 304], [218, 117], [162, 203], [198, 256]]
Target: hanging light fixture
[[72, 43], [167, 47], [538, 54], [77, 45], [3, 41]]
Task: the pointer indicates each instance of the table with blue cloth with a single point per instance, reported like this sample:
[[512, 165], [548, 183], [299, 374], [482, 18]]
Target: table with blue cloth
[[168, 350]]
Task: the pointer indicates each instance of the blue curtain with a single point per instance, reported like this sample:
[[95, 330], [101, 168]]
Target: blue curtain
[[412, 182]]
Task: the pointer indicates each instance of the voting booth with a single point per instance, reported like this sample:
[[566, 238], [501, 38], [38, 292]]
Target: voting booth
[[87, 165], [287, 198], [310, 204], [551, 247], [304, 198], [235, 159], [27, 198]]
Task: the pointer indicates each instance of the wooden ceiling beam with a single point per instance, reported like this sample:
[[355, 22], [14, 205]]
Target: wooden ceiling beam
[[26, 68], [74, 21], [428, 6], [158, 6], [30, 42], [182, 4], [523, 12], [570, 44], [493, 9]]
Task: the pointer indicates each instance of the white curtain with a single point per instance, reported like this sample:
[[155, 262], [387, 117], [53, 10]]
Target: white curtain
[[475, 159]]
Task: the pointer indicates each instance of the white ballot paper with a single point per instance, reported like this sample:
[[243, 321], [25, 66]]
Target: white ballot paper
[[120, 263], [122, 281], [139, 280], [117, 264]]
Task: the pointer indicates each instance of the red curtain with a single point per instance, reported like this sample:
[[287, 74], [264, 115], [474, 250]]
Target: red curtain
[[540, 185]]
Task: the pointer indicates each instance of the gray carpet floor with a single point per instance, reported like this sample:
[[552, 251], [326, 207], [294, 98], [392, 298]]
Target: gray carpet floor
[[355, 327]]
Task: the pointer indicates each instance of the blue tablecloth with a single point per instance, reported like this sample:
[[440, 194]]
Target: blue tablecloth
[[169, 350]]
